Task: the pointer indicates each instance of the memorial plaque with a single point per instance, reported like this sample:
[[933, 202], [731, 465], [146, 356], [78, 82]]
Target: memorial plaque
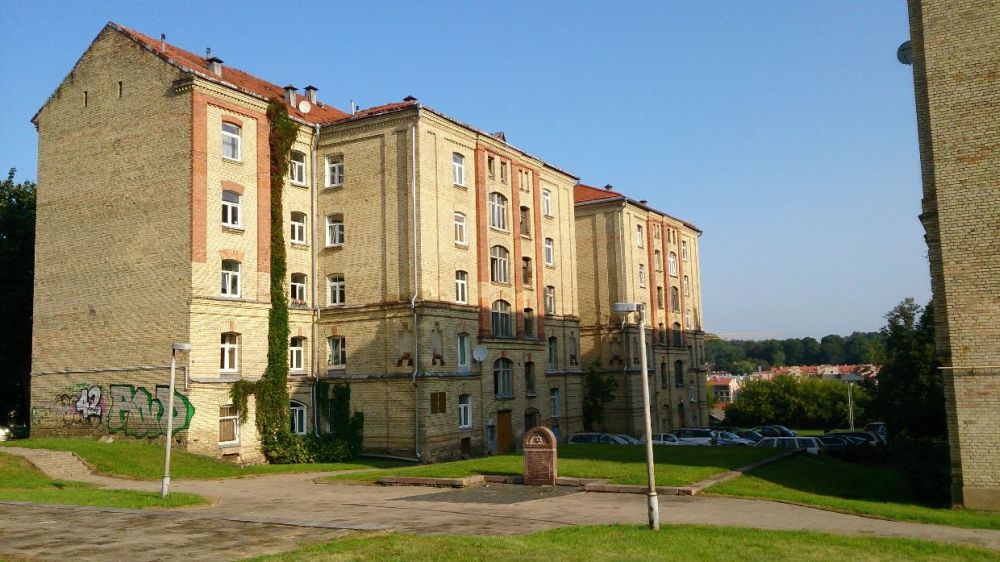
[[540, 457]]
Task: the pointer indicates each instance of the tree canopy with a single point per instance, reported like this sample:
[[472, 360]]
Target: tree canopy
[[745, 356]]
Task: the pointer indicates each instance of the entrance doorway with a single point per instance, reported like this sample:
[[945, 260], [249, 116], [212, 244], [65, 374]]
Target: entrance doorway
[[504, 432]]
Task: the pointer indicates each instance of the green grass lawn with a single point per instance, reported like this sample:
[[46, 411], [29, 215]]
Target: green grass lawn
[[675, 466], [856, 488], [682, 543], [20, 481], [144, 461]]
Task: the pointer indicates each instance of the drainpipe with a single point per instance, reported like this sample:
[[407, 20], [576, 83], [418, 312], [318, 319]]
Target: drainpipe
[[315, 301], [416, 290]]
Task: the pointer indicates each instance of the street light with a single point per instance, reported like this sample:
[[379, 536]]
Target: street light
[[174, 348], [625, 308]]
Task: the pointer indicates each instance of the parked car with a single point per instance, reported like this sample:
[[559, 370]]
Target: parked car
[[751, 435], [880, 430], [729, 439], [773, 430], [869, 437], [812, 445], [6, 434], [836, 445], [599, 438], [629, 440], [697, 436], [663, 439]]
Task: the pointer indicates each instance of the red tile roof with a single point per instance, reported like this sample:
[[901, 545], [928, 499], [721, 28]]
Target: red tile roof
[[231, 77], [583, 193]]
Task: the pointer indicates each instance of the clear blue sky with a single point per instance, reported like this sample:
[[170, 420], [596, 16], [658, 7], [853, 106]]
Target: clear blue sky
[[785, 130]]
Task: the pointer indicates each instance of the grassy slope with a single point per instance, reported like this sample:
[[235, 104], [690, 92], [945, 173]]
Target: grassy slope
[[675, 466], [856, 488], [20, 481], [682, 543], [136, 459]]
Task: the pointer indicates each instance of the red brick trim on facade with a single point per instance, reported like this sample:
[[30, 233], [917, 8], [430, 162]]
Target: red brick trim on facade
[[232, 120], [536, 181], [482, 245], [231, 255], [232, 186]]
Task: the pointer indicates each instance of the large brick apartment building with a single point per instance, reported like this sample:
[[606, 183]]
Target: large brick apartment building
[[411, 239]]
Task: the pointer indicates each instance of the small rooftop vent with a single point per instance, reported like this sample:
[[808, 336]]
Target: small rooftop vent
[[608, 186], [409, 98]]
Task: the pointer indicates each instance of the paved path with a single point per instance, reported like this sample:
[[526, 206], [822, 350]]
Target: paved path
[[284, 500]]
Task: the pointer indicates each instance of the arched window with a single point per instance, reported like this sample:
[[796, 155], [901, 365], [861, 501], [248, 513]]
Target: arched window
[[675, 299], [661, 331], [231, 141], [500, 315], [461, 234], [297, 289], [678, 336], [502, 387], [230, 278], [678, 373], [335, 230], [498, 211], [297, 168], [297, 354], [672, 263], [458, 169], [529, 323], [297, 416], [231, 202], [499, 263], [230, 353], [298, 234]]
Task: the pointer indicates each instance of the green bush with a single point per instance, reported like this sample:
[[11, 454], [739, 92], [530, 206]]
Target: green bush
[[284, 447], [327, 448]]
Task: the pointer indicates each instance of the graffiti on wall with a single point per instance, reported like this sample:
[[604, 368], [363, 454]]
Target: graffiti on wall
[[125, 408]]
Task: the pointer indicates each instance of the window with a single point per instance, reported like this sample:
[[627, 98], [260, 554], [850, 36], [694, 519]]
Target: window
[[439, 402], [692, 395], [547, 202], [550, 300], [297, 416], [678, 373], [503, 172], [500, 319], [659, 297], [491, 166], [657, 260], [297, 168], [229, 425], [529, 378], [297, 289], [526, 271], [461, 287], [687, 286], [458, 169], [334, 230], [550, 252], [230, 278], [553, 352], [664, 375], [297, 354], [464, 345], [230, 141], [656, 231], [498, 211], [688, 319], [525, 222], [684, 250], [465, 411], [639, 236], [231, 209], [529, 323], [662, 334], [678, 336], [334, 171], [642, 275], [336, 352], [298, 234], [675, 300], [461, 234], [672, 263], [498, 264], [554, 402], [230, 348], [501, 378], [337, 287]]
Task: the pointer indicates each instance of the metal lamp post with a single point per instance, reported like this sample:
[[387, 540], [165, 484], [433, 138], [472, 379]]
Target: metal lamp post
[[174, 348], [625, 308]]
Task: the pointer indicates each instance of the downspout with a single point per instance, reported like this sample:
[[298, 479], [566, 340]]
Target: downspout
[[315, 302], [416, 290]]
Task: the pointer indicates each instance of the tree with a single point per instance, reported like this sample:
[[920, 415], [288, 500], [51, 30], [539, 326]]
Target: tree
[[599, 389], [812, 353], [17, 277], [794, 351], [832, 349], [910, 395]]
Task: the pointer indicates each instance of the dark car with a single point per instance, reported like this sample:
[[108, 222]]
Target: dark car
[[774, 431], [869, 438], [751, 435], [836, 445]]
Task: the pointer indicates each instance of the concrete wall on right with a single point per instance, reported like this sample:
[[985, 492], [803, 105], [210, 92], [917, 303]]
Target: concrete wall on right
[[956, 74]]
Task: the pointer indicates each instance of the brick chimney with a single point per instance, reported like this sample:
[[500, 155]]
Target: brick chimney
[[215, 66], [311, 93], [290, 94]]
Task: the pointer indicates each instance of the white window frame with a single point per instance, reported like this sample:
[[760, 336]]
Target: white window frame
[[463, 345], [229, 359], [550, 300], [297, 417], [232, 285], [232, 212], [639, 236], [238, 136], [672, 264], [465, 411], [336, 352], [687, 286], [499, 264], [334, 231], [658, 260], [458, 168], [297, 354], [642, 275], [235, 419], [547, 203], [461, 231], [297, 289], [336, 293], [462, 287], [498, 211], [554, 405], [549, 251], [684, 250], [297, 234], [688, 318], [333, 171], [297, 169]]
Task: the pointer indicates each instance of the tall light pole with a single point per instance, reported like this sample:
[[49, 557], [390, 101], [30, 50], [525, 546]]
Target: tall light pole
[[174, 348], [850, 403], [653, 505]]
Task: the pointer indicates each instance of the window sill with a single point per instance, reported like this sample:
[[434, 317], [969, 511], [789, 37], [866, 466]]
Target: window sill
[[500, 230], [549, 216], [229, 445], [299, 245], [498, 397], [526, 236], [336, 369], [465, 428], [298, 184], [233, 229], [231, 298], [462, 246], [335, 186], [297, 373], [550, 266], [531, 395], [460, 186], [231, 160], [332, 246], [501, 283]]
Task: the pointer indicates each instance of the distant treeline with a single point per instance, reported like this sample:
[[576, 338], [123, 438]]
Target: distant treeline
[[744, 356]]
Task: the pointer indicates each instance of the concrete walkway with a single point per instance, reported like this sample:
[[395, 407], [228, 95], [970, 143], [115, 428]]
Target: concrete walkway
[[296, 500]]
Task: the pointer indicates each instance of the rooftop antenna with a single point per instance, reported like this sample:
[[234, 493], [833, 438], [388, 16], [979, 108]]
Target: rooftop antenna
[[208, 52]]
